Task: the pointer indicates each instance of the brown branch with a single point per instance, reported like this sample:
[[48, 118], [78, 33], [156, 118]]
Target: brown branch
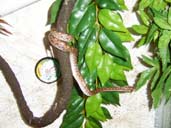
[[64, 85]]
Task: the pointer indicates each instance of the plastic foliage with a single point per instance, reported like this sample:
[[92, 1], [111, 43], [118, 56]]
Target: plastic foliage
[[155, 30], [99, 32]]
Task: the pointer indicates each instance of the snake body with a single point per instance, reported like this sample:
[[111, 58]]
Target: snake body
[[59, 40]]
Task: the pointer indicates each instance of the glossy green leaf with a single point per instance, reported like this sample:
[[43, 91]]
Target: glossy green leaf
[[117, 72], [158, 91], [140, 29], [54, 11], [75, 123], [163, 48], [92, 104], [99, 114], [121, 4], [108, 4], [104, 68], [92, 123], [125, 63], [144, 77], [106, 113], [93, 56], [110, 98], [111, 20], [90, 78], [74, 117], [77, 14], [86, 38], [111, 43], [124, 36], [87, 20]]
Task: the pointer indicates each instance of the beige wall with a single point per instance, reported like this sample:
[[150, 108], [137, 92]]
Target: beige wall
[[25, 47]]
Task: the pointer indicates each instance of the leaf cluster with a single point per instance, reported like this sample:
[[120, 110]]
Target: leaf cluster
[[99, 34], [155, 30]]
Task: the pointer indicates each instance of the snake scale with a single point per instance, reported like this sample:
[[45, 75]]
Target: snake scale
[[59, 40]]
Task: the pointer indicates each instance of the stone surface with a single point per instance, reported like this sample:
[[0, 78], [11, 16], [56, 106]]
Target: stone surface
[[25, 47]]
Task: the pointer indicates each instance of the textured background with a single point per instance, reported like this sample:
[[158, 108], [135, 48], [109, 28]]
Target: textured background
[[25, 47]]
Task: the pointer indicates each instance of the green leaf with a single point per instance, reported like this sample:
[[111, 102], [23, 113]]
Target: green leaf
[[168, 1], [54, 11], [162, 23], [86, 38], [159, 4], [75, 123], [144, 3], [163, 44], [144, 17], [113, 45], [141, 41], [110, 98], [93, 56], [121, 4], [99, 114], [106, 112], [111, 20], [125, 63], [92, 123], [87, 20], [169, 16], [92, 104], [117, 72], [89, 78], [167, 89], [104, 68], [151, 33], [108, 4], [140, 29], [150, 61], [74, 117], [144, 77], [155, 79], [77, 14], [124, 36], [158, 91]]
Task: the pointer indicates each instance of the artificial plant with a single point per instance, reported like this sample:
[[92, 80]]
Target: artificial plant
[[99, 32], [155, 31]]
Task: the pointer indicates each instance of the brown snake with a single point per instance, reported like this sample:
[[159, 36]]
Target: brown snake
[[59, 40]]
